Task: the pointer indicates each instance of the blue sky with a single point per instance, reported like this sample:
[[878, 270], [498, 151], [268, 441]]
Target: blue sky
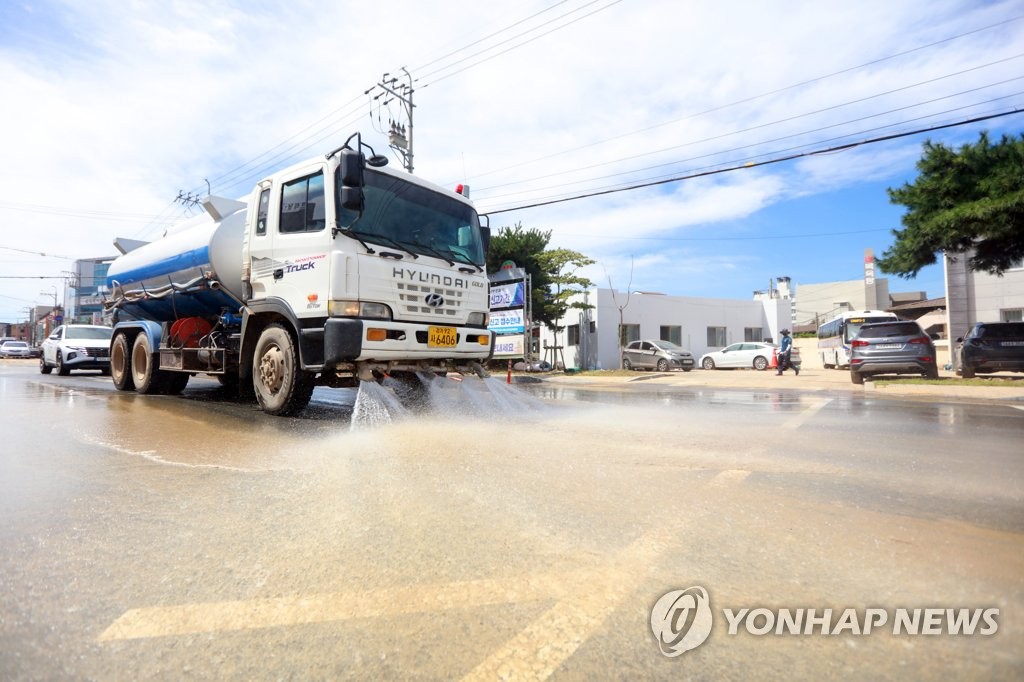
[[110, 109]]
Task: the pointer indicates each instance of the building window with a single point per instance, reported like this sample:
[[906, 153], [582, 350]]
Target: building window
[[716, 337], [592, 326], [753, 334], [673, 333], [628, 333], [1012, 315], [572, 335]]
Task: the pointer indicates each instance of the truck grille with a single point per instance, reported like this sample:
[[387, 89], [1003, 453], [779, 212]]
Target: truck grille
[[414, 300]]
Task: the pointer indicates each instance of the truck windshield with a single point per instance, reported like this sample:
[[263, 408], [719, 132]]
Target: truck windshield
[[421, 220]]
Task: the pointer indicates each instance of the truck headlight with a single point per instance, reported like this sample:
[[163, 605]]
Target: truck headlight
[[373, 311], [477, 319]]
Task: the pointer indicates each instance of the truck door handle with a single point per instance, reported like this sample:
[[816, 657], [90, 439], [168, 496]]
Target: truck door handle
[[279, 273]]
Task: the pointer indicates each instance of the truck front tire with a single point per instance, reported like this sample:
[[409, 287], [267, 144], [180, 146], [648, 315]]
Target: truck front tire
[[282, 387]]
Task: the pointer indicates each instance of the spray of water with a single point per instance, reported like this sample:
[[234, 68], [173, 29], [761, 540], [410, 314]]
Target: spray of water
[[376, 405], [392, 400]]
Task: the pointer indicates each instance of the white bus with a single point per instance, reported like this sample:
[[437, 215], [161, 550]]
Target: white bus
[[834, 336]]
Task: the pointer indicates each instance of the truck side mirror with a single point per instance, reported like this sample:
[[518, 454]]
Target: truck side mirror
[[352, 199], [485, 238], [351, 167]]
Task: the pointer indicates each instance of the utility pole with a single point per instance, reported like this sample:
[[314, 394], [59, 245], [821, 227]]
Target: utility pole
[[399, 136]]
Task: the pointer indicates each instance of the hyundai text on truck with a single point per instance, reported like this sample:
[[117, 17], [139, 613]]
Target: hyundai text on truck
[[331, 272]]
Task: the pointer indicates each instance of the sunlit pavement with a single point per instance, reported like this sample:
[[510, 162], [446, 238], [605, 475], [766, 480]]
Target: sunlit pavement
[[158, 537]]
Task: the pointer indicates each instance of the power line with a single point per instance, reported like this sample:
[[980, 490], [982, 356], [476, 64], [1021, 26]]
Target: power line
[[777, 139], [514, 47], [724, 239], [36, 253], [754, 98], [788, 119], [790, 157], [489, 36]]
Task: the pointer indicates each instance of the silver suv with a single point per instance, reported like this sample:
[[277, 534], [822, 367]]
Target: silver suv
[[892, 348], [659, 355]]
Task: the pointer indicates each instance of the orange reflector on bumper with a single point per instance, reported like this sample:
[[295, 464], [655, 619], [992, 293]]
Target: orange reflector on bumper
[[373, 334]]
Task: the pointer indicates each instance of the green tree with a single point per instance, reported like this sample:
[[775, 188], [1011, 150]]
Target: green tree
[[553, 272], [562, 266], [971, 199], [523, 247]]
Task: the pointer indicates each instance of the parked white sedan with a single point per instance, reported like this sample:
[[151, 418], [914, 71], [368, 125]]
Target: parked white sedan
[[15, 349], [748, 354]]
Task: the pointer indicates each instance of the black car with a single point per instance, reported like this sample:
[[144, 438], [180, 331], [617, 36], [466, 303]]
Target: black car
[[899, 347], [992, 347]]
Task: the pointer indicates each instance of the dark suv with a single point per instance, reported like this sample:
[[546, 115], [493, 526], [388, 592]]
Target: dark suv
[[892, 348], [992, 347]]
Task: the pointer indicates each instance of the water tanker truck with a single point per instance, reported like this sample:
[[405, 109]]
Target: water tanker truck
[[331, 272]]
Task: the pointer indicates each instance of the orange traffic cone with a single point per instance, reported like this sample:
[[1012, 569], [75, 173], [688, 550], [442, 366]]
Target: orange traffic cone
[[775, 359]]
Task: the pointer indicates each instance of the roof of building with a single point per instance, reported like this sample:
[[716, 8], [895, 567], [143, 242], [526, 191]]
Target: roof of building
[[927, 304]]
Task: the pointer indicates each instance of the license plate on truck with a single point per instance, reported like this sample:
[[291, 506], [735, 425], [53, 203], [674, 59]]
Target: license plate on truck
[[441, 337]]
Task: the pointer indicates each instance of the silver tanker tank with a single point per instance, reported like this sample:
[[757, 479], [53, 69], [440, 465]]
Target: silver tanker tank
[[195, 270]]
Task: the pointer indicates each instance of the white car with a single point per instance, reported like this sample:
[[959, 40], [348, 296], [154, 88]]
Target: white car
[[76, 346], [748, 354], [15, 349]]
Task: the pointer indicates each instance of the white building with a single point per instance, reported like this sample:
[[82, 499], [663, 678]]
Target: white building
[[591, 337], [816, 303], [980, 297]]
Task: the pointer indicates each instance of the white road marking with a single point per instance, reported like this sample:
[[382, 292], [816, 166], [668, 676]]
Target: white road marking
[[798, 420]]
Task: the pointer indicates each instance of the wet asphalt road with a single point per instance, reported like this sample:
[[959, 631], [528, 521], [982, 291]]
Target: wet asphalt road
[[497, 535]]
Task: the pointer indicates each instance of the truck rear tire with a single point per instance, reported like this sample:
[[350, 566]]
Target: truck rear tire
[[120, 363], [282, 387], [146, 377]]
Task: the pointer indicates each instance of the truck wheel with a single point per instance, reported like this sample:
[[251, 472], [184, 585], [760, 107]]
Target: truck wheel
[[176, 382], [146, 377], [120, 363], [282, 388]]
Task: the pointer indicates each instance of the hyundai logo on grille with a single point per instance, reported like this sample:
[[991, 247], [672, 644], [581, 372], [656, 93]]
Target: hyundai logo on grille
[[434, 300]]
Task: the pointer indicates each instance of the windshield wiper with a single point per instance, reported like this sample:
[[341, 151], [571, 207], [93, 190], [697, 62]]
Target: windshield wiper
[[463, 258], [387, 240], [434, 251]]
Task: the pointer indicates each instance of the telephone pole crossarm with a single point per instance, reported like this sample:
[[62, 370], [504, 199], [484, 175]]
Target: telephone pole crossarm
[[397, 135]]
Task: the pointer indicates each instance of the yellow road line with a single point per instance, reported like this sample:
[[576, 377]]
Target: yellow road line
[[585, 600], [539, 649], [163, 621]]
